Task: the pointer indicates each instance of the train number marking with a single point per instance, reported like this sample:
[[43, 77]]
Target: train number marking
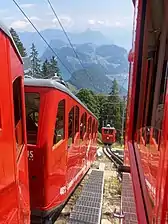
[[30, 155]]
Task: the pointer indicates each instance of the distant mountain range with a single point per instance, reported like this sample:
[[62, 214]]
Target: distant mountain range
[[101, 59], [108, 59], [88, 36]]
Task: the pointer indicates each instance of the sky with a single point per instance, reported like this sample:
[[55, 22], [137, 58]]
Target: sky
[[75, 15]]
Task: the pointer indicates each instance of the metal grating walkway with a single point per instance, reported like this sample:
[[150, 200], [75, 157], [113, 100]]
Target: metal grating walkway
[[88, 206], [128, 200]]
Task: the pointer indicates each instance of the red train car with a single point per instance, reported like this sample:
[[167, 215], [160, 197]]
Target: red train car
[[14, 189], [108, 135], [61, 135], [146, 149]]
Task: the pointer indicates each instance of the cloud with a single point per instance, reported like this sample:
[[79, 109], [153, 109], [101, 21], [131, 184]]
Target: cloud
[[35, 18], [107, 23], [100, 22], [26, 6], [65, 20], [91, 21], [19, 24]]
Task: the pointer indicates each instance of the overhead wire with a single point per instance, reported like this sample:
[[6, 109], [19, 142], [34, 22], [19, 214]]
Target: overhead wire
[[64, 31], [41, 36], [46, 42]]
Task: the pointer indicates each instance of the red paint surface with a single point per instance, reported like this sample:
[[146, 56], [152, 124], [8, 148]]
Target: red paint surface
[[14, 191], [59, 167]]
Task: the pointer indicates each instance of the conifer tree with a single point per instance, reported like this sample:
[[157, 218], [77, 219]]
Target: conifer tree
[[45, 70], [54, 69], [50, 69], [35, 62], [18, 42], [114, 105]]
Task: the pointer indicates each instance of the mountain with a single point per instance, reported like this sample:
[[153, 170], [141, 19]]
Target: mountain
[[88, 36], [109, 59], [101, 60], [94, 79]]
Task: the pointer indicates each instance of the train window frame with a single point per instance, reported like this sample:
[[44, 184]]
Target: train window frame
[[0, 119], [18, 113], [77, 115], [111, 131], [93, 127], [62, 137], [89, 129], [71, 138], [83, 125], [34, 119], [106, 131]]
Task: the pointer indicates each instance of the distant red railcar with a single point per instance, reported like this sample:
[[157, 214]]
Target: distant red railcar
[[14, 188], [61, 135], [108, 135]]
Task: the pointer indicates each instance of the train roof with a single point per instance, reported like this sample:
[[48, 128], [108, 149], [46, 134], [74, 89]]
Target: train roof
[[108, 128], [56, 85], [4, 28]]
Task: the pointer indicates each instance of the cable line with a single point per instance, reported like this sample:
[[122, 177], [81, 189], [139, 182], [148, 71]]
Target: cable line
[[41, 36], [64, 31]]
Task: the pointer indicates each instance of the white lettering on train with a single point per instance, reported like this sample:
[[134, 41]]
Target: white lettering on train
[[30, 155]]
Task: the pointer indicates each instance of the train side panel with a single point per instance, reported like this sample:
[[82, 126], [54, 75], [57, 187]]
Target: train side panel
[[58, 158], [8, 186], [20, 136], [147, 113], [14, 203]]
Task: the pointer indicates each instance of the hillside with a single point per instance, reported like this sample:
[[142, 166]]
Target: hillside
[[110, 59], [102, 60], [94, 79]]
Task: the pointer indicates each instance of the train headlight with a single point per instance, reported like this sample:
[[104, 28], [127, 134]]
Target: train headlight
[[107, 137]]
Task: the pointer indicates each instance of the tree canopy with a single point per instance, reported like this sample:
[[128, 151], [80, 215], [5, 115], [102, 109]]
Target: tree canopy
[[108, 109], [89, 99], [18, 42]]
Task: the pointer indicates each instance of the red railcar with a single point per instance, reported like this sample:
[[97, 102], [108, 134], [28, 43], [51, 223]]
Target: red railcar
[[108, 135], [61, 134], [147, 114], [14, 190]]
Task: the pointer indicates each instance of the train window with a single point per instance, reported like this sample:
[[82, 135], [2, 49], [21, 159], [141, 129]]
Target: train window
[[96, 129], [76, 119], [93, 127], [32, 116], [71, 127], [89, 125], [17, 101], [0, 120], [110, 131], [106, 131], [83, 124], [59, 133]]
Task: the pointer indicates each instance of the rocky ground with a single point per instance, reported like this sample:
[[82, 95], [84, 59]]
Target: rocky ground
[[111, 196]]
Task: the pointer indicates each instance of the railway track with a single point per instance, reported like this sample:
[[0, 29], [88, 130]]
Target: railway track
[[115, 158]]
